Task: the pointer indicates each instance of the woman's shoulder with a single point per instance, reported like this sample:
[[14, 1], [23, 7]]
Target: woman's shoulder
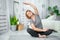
[[37, 15]]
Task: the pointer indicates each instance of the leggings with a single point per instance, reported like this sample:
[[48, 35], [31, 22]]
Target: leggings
[[35, 33]]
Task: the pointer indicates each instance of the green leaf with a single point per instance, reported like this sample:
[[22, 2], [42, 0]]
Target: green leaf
[[13, 20], [56, 12], [55, 8], [49, 8]]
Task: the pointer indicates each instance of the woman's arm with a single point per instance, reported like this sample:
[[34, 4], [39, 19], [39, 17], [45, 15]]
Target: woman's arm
[[33, 6], [37, 29]]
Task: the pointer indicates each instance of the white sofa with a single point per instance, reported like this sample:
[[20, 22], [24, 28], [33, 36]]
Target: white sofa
[[53, 24]]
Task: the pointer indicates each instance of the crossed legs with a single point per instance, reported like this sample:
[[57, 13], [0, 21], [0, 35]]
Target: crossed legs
[[39, 34]]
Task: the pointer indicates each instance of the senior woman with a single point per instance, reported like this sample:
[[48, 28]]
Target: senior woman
[[36, 29]]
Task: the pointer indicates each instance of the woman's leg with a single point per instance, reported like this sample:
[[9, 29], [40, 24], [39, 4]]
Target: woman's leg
[[47, 32], [32, 32], [35, 34], [39, 34]]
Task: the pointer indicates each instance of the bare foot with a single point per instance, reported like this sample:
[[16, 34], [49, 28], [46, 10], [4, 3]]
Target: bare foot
[[42, 36]]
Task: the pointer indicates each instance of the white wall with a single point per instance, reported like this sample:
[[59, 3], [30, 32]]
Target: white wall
[[55, 2]]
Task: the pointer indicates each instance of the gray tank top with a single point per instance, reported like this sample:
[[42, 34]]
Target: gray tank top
[[37, 22]]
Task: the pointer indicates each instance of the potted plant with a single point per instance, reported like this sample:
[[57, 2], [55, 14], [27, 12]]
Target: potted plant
[[13, 22], [54, 11]]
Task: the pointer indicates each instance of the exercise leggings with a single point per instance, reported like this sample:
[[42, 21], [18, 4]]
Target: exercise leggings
[[35, 33]]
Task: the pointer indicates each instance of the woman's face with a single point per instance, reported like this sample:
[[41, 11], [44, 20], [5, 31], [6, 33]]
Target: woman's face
[[29, 14]]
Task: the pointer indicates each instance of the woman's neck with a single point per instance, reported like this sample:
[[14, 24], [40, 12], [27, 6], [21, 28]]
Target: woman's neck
[[33, 17]]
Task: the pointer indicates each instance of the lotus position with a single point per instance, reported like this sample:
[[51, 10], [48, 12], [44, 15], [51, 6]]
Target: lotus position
[[36, 29]]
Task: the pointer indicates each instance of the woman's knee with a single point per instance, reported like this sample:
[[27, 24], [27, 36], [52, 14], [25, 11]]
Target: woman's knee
[[32, 33], [28, 30], [48, 32]]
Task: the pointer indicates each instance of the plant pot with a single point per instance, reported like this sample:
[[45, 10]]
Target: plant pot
[[13, 27], [58, 18], [20, 27], [52, 17]]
